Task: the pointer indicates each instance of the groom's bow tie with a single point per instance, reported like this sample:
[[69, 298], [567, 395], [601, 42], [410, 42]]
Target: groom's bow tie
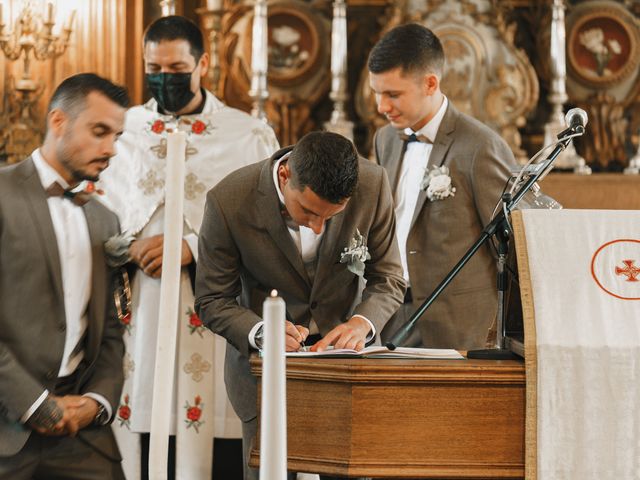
[[414, 138], [56, 190]]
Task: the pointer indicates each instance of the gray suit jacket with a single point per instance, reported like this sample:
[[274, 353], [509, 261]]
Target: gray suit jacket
[[245, 250], [442, 230], [32, 315]]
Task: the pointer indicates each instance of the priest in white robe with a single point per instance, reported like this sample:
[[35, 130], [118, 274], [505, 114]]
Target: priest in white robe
[[220, 139]]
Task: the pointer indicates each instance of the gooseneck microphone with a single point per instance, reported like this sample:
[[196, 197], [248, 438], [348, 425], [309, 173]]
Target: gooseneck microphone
[[576, 117]]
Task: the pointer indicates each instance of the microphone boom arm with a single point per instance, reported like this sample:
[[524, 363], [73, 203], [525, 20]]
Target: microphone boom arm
[[488, 231]]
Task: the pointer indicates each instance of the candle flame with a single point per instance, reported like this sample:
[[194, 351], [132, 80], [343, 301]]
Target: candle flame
[[274, 293]]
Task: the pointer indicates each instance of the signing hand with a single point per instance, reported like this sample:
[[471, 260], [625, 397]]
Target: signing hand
[[351, 334], [147, 254], [295, 335]]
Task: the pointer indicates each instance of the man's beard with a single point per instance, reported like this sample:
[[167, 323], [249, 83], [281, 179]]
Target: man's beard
[[77, 173]]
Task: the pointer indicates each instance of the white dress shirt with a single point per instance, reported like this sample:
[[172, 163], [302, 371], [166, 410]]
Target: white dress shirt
[[414, 165], [74, 249], [307, 242]]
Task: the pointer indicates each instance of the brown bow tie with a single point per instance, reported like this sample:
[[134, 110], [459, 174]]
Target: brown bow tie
[[56, 190], [414, 138]]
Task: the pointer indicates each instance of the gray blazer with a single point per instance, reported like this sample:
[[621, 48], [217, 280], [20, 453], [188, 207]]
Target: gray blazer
[[32, 316], [442, 230], [245, 250]]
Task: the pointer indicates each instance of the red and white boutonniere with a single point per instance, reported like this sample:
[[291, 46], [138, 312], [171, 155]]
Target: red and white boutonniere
[[437, 183]]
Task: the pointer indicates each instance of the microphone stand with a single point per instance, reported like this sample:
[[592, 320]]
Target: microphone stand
[[498, 226]]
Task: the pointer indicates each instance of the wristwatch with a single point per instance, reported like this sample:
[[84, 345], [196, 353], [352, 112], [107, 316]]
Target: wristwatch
[[101, 417]]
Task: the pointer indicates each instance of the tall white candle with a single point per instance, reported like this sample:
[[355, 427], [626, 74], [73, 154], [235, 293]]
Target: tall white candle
[[169, 305], [259, 54], [273, 416]]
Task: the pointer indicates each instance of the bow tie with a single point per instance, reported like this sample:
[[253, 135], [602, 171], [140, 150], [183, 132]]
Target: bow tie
[[56, 190], [414, 138]]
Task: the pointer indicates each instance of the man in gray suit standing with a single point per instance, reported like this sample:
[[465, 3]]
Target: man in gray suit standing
[[60, 340], [447, 172], [285, 224]]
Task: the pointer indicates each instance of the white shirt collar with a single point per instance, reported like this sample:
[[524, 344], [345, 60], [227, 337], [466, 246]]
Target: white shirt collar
[[275, 176], [430, 130], [48, 175]]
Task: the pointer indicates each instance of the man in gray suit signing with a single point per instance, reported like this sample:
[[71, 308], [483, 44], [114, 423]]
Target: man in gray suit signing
[[60, 341], [285, 224], [447, 172]]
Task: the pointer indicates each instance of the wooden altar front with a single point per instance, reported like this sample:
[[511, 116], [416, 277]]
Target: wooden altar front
[[405, 418]]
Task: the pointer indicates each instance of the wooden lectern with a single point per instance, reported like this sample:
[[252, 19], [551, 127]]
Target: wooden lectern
[[401, 418]]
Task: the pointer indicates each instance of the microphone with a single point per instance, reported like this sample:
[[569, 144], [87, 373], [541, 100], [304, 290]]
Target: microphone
[[576, 117]]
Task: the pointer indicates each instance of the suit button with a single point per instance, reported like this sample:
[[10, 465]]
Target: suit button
[[412, 252], [62, 327], [313, 305], [51, 375]]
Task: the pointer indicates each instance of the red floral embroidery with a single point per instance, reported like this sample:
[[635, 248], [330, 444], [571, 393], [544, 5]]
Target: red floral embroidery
[[157, 126], [195, 324], [124, 412], [198, 127], [125, 320], [194, 413]]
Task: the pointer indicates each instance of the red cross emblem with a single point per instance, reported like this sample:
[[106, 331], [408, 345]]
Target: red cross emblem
[[632, 272]]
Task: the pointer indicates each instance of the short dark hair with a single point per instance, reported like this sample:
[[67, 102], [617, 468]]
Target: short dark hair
[[175, 27], [412, 47], [71, 95], [327, 163]]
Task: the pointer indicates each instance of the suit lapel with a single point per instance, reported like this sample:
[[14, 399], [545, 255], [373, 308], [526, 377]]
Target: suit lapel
[[396, 154], [441, 145], [329, 249], [35, 197], [269, 208], [97, 298]]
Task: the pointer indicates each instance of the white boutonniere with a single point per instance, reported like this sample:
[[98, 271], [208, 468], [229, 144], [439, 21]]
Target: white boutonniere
[[437, 183], [356, 254]]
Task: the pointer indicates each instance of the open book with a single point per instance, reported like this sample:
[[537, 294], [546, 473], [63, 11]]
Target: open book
[[376, 351]]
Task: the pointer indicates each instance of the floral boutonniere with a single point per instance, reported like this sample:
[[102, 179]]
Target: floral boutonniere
[[356, 254], [437, 183]]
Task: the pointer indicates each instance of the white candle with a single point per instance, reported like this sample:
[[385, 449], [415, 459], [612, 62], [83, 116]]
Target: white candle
[[50, 12], [273, 412], [214, 4], [169, 306], [1, 22], [72, 17], [259, 54]]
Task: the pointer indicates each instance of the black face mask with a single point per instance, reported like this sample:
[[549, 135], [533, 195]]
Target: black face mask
[[172, 91]]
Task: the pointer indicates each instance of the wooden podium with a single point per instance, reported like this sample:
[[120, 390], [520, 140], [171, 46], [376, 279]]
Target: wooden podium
[[395, 418]]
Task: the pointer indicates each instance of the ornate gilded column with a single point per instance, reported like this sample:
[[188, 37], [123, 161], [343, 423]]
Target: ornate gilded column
[[211, 16], [339, 122], [259, 60], [558, 92]]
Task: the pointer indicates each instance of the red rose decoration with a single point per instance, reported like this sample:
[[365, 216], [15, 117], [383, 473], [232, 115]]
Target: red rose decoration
[[193, 414], [90, 187], [194, 320], [198, 127], [126, 319], [124, 412], [158, 126]]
